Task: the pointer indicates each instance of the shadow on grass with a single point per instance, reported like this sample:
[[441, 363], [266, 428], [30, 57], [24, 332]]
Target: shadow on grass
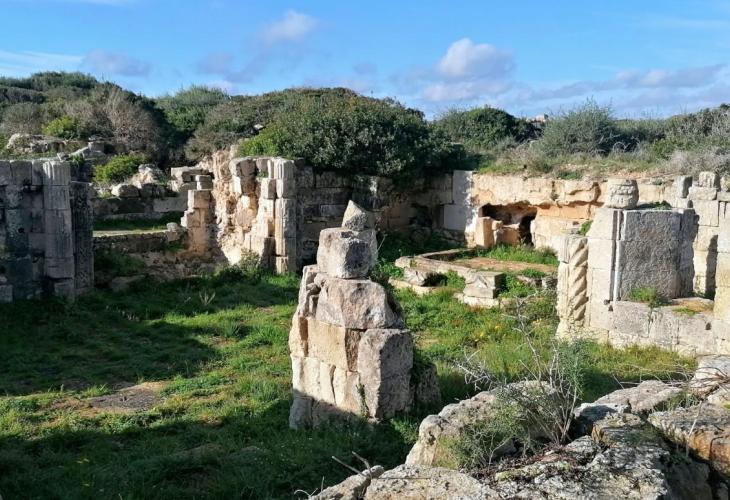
[[153, 331], [242, 455]]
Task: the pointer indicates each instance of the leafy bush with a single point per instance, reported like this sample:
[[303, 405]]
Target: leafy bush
[[588, 129], [187, 110], [247, 269], [483, 128], [354, 134], [64, 127], [585, 227], [119, 168]]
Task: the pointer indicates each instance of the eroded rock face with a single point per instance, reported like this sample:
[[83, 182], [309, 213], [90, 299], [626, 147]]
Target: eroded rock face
[[352, 488], [703, 429], [419, 482], [648, 396]]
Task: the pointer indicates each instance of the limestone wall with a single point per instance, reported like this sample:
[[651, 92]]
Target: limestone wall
[[629, 248], [45, 231]]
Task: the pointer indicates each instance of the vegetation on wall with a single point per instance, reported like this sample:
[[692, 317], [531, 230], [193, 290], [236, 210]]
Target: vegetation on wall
[[118, 169]]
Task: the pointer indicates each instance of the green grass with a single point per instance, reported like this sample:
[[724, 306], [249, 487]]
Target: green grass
[[220, 345], [648, 295], [521, 253], [137, 224]]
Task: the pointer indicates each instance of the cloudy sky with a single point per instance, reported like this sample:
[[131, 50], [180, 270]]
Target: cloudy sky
[[644, 57]]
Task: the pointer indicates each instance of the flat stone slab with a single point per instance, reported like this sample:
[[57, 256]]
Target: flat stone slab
[[132, 399]]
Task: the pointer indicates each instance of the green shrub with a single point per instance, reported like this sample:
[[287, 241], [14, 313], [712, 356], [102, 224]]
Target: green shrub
[[354, 134], [119, 168], [64, 127], [648, 295], [187, 110], [588, 129], [585, 227], [248, 269], [482, 129]]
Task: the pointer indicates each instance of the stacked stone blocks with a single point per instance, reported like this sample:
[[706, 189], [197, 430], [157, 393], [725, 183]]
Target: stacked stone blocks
[[45, 231], [351, 355]]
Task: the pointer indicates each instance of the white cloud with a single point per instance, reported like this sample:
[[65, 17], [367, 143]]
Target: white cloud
[[112, 63], [294, 26], [465, 58], [26, 62]]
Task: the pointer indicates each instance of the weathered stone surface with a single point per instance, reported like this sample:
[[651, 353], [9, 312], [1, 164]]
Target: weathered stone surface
[[649, 395], [357, 304], [344, 253], [622, 193], [636, 464], [415, 482], [384, 362], [712, 372], [352, 488], [356, 218], [436, 432], [703, 429], [333, 344]]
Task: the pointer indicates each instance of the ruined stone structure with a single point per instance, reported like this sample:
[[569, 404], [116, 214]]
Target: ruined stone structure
[[351, 355], [45, 231], [629, 248]]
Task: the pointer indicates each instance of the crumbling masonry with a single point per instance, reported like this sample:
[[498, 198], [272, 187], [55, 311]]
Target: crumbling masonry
[[46, 242]]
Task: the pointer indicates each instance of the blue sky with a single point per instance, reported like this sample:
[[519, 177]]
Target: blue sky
[[641, 56]]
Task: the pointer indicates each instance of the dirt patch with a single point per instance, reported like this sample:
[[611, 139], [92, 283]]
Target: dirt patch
[[139, 397], [485, 263]]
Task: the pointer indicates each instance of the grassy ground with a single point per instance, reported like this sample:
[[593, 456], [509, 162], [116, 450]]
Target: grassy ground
[[221, 430]]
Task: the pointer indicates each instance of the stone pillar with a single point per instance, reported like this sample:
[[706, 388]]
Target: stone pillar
[[198, 220], [722, 276], [351, 356], [83, 229], [273, 234], [572, 282], [59, 267], [703, 198]]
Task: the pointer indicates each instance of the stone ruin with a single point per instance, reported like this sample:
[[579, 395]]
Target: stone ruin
[[351, 354], [46, 245], [630, 247]]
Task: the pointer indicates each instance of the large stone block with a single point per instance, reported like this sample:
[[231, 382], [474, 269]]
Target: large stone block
[[708, 180], [385, 359], [601, 254], [455, 217], [681, 186], [56, 197], [56, 173], [708, 212], [6, 175], [344, 253], [333, 344], [199, 199], [58, 268], [655, 227], [698, 193], [268, 188], [606, 224], [22, 171], [356, 304]]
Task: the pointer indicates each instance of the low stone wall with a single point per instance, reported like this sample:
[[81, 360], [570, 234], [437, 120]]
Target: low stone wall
[[134, 243], [45, 231], [137, 207]]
